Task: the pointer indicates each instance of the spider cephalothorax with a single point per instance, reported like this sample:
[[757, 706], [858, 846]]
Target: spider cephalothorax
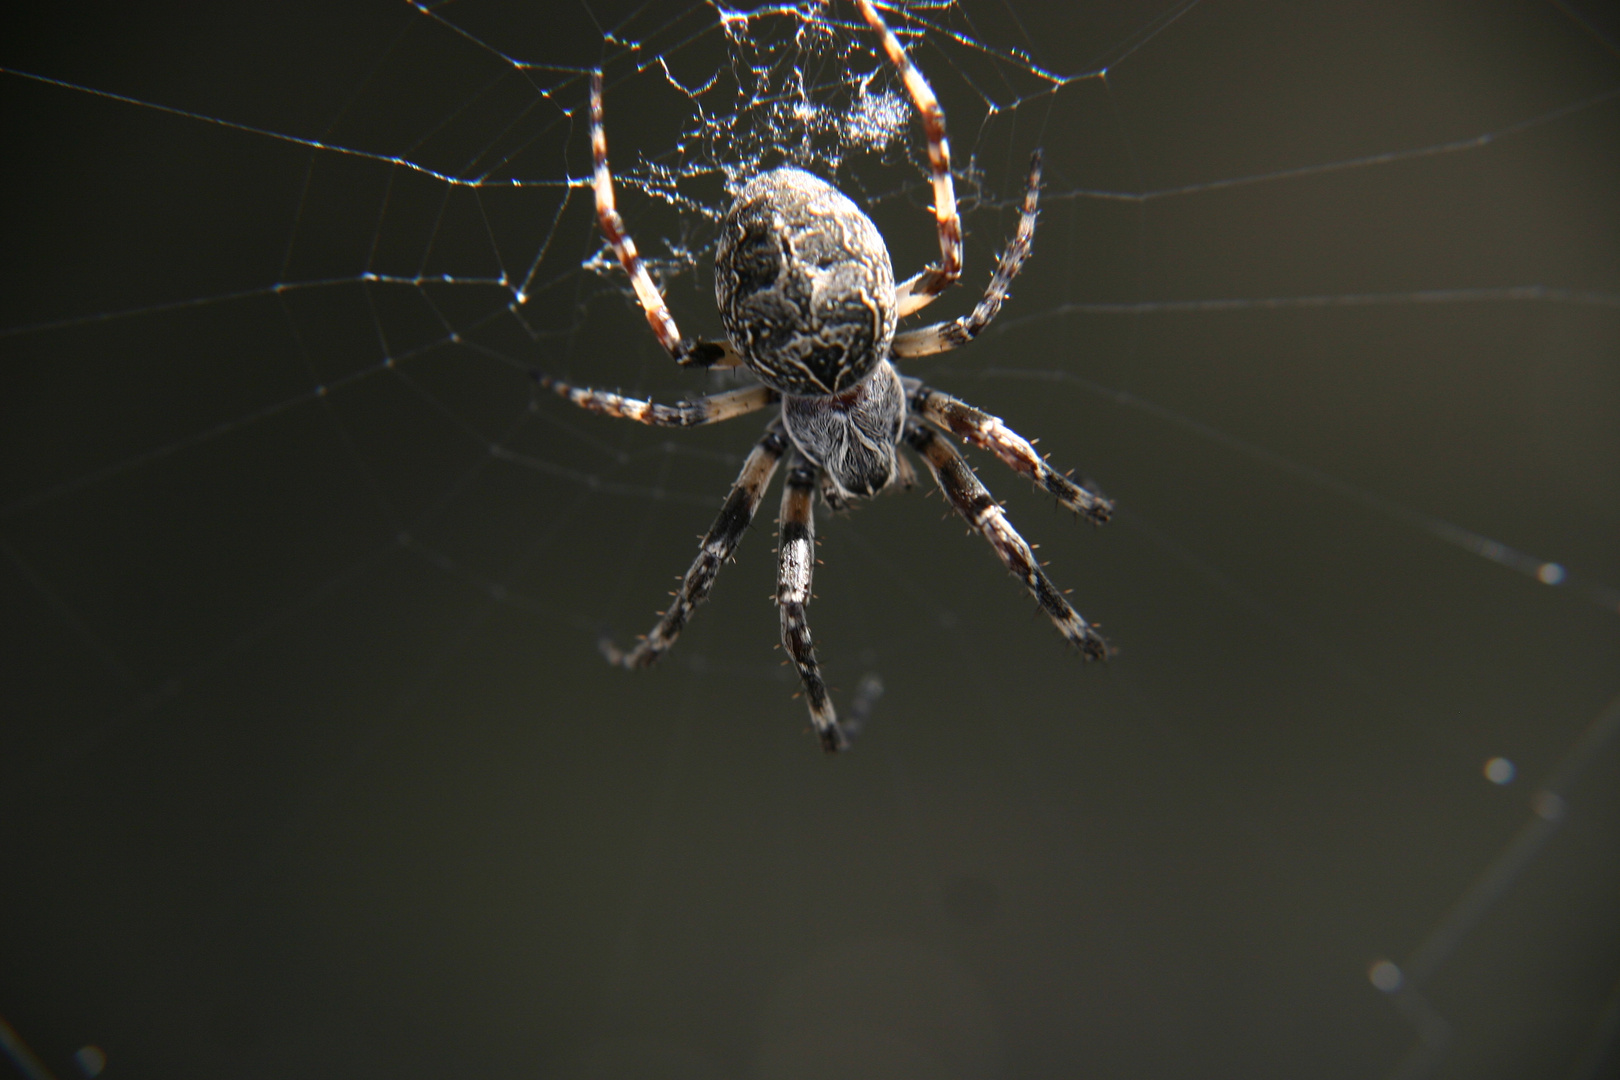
[[852, 436], [809, 303]]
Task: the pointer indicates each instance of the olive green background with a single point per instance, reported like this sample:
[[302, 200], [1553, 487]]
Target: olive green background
[[311, 766]]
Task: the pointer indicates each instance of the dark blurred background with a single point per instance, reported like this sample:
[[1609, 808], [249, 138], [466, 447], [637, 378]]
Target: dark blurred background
[[311, 766]]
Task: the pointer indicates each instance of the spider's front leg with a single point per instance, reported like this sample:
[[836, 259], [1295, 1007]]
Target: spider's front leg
[[991, 433], [718, 546], [796, 550], [970, 499]]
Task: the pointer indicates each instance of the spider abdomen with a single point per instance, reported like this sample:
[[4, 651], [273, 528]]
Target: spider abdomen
[[804, 284]]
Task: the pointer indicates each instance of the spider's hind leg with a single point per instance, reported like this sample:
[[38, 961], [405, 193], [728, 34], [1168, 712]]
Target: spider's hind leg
[[953, 334], [796, 551], [687, 352], [920, 290]]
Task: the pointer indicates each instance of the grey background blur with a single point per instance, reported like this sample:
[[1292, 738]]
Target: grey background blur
[[287, 792]]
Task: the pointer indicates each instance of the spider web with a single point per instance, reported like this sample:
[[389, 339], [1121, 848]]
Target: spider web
[[312, 766]]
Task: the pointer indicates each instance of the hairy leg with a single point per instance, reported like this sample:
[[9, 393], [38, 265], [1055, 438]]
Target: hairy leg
[[921, 290], [991, 433], [941, 337], [686, 351], [718, 546], [796, 557], [704, 410], [970, 499]]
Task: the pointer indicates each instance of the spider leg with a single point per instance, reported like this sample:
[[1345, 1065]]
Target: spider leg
[[796, 550], [704, 410], [919, 291], [718, 545], [970, 499], [958, 332], [686, 351], [992, 433]]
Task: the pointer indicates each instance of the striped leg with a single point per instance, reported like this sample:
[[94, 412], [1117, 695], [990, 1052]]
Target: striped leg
[[703, 410], [991, 433], [686, 351], [718, 546], [958, 332], [921, 290], [970, 499], [796, 551]]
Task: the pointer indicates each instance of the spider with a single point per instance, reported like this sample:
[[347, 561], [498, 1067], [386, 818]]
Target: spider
[[809, 303]]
